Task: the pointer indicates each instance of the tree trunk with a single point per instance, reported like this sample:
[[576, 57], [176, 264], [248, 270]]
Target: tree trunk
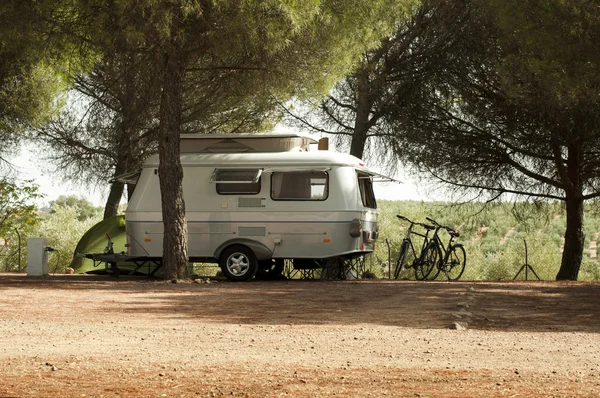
[[361, 120], [111, 208], [574, 240], [130, 188], [359, 139], [170, 172]]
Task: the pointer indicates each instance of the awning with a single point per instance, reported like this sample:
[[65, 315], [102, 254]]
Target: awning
[[376, 177]]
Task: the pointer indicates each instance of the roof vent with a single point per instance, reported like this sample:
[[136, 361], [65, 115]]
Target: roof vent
[[323, 144]]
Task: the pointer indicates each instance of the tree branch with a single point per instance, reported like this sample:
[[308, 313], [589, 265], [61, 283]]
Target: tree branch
[[501, 190]]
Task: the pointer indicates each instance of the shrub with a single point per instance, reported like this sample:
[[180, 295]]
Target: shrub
[[63, 230]]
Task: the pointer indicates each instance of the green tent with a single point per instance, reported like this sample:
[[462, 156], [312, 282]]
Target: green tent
[[94, 241]]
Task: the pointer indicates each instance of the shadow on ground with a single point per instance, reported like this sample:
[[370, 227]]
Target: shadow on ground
[[508, 306]]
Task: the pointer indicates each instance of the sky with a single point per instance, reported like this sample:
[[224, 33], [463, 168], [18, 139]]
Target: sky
[[27, 168]]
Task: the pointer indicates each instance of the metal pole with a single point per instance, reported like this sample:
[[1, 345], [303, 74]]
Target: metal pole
[[526, 261], [389, 265], [19, 251]]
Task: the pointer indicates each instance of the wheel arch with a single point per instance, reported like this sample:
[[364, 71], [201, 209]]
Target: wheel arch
[[261, 251]]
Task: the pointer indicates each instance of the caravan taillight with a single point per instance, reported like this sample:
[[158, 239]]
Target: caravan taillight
[[355, 228]]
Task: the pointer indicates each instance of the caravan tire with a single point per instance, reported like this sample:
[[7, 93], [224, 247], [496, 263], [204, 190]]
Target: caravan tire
[[238, 263]]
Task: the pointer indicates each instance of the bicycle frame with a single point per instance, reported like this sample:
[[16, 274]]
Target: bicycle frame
[[407, 238], [445, 250]]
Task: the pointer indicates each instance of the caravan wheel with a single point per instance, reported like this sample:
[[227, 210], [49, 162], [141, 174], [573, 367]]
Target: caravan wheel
[[238, 263]]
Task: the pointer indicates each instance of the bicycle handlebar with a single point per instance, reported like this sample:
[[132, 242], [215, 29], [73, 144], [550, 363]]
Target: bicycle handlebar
[[451, 231], [431, 220], [429, 227]]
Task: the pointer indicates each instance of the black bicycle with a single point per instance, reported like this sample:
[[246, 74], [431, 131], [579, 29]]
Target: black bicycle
[[450, 258], [407, 255]]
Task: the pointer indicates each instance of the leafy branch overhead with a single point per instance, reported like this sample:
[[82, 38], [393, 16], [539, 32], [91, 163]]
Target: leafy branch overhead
[[17, 205]]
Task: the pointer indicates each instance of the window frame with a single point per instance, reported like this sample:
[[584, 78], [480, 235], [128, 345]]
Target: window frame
[[227, 186], [367, 193], [325, 190]]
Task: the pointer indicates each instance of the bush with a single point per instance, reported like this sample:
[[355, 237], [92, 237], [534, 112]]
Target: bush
[[19, 220], [63, 230]]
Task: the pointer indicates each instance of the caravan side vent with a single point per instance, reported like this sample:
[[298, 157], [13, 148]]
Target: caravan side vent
[[252, 231], [251, 202]]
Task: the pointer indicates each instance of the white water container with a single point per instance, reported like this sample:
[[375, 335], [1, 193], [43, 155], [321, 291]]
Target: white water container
[[37, 257]]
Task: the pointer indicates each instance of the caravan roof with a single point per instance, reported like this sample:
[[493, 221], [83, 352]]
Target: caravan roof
[[244, 143], [268, 159]]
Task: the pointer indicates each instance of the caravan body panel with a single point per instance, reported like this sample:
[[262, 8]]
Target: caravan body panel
[[312, 219]]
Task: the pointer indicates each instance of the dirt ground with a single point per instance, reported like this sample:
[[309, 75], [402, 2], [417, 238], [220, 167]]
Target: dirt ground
[[93, 336]]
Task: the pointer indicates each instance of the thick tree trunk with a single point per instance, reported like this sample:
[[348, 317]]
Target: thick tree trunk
[[574, 240], [170, 172], [359, 139], [111, 208], [361, 120], [574, 236], [130, 188]]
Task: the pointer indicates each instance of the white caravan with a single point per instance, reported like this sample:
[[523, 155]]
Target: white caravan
[[254, 200]]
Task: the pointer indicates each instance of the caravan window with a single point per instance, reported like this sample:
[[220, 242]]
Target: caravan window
[[237, 181], [365, 185], [300, 185]]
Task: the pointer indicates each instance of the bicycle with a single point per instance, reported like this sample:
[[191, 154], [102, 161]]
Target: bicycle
[[452, 257], [407, 255]]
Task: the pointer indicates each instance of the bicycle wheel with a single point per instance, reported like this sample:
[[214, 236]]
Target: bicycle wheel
[[401, 260], [457, 261], [427, 262]]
